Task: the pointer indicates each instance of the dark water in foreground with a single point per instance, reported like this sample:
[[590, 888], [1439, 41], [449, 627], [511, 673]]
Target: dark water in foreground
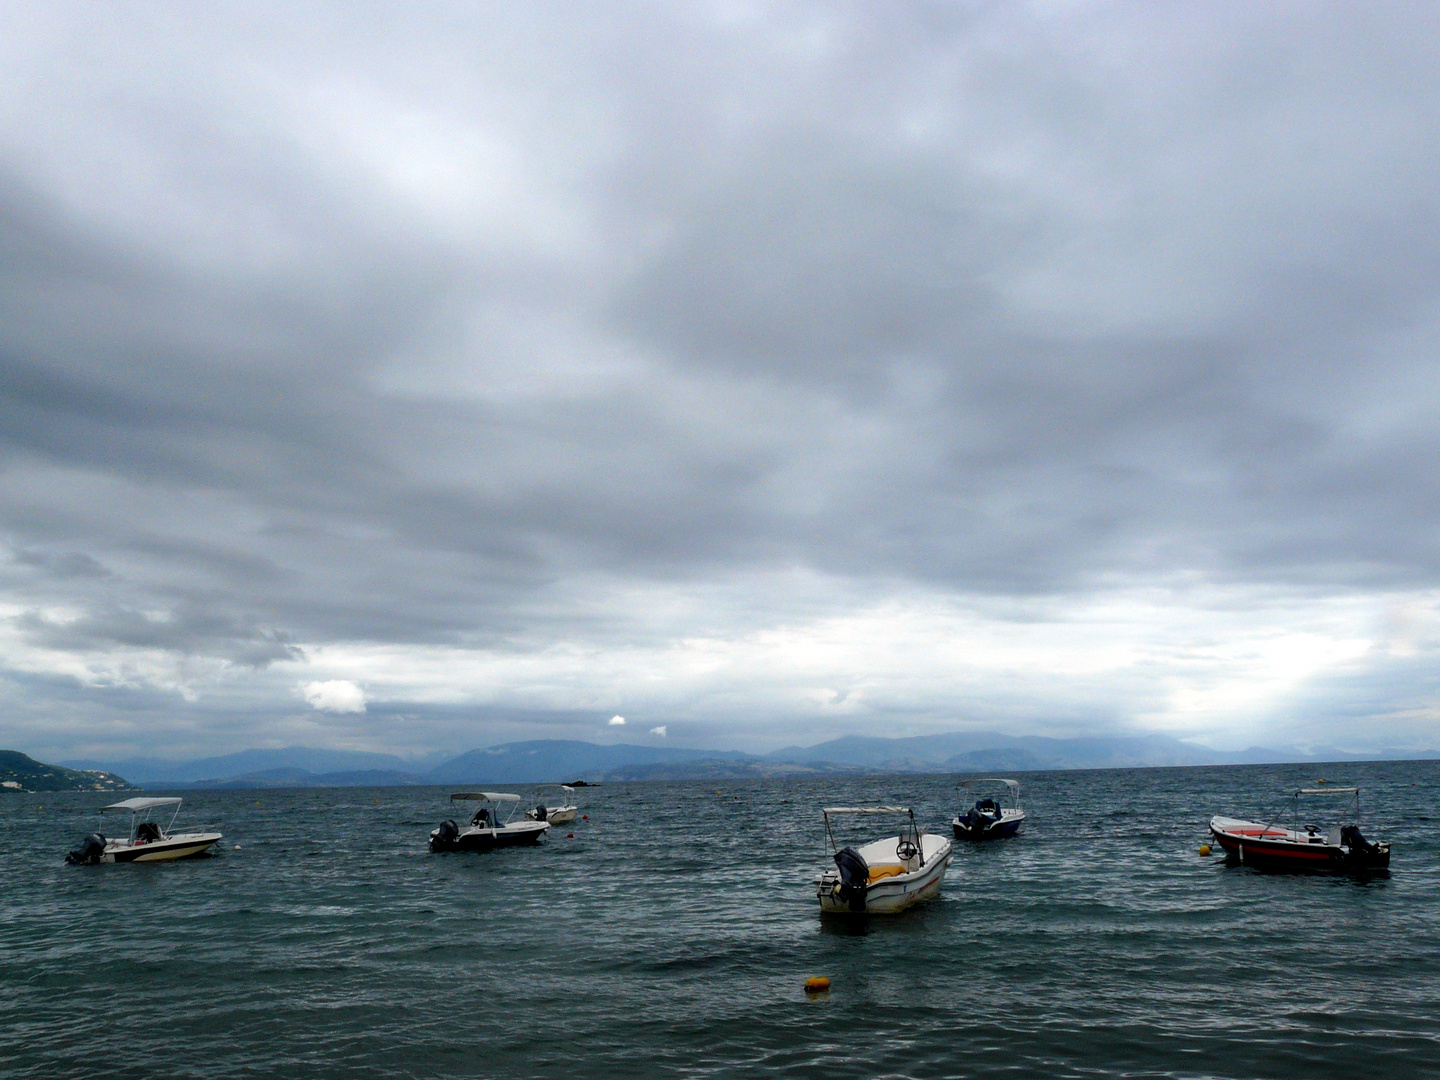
[[672, 935]]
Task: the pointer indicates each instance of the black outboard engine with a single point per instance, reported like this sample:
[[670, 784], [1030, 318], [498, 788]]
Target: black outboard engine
[[541, 814], [89, 851], [445, 836], [1351, 838], [854, 877]]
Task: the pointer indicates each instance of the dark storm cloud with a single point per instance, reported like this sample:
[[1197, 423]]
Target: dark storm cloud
[[343, 325]]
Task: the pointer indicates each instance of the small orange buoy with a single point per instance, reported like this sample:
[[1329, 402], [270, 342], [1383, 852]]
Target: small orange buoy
[[585, 817], [817, 985], [569, 836]]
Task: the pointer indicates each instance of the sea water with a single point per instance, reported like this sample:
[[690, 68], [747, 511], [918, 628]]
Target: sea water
[[672, 934]]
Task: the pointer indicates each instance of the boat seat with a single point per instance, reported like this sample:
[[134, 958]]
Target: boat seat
[[879, 873]]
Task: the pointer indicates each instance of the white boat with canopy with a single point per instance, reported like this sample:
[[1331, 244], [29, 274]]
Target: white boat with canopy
[[147, 840], [490, 826], [562, 814], [884, 876]]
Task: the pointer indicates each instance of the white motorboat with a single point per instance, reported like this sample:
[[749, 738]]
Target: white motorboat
[[556, 815], [884, 876], [148, 840], [491, 826], [989, 818]]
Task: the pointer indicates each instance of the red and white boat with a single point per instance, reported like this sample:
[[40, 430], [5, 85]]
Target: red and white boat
[[1307, 848]]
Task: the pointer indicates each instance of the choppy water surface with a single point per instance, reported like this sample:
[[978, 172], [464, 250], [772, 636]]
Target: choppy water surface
[[672, 935]]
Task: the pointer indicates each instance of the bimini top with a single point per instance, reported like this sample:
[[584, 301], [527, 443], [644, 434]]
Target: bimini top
[[136, 805], [1328, 791], [866, 810], [1013, 785], [493, 796]]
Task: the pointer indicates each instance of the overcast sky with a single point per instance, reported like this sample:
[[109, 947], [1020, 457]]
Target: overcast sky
[[418, 378]]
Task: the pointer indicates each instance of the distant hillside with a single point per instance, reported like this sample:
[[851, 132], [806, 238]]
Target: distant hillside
[[296, 778], [552, 760], [991, 749], [302, 759], [727, 769], [20, 772], [557, 760]]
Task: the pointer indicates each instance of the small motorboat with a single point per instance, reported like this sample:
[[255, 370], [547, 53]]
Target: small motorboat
[[556, 815], [1273, 845], [884, 876], [147, 841], [489, 827], [989, 818]]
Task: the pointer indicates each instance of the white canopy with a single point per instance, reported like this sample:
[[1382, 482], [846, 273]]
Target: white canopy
[[1327, 791], [493, 796], [867, 810], [136, 805], [1013, 785]]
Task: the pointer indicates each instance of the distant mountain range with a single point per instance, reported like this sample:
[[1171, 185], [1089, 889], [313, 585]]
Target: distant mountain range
[[560, 760], [19, 772]]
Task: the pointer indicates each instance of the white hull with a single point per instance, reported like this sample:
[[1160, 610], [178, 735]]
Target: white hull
[[179, 846], [891, 895], [561, 815]]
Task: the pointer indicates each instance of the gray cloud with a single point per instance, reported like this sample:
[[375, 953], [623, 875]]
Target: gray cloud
[[510, 331]]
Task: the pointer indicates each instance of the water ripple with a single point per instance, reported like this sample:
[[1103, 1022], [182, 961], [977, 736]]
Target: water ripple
[[671, 936]]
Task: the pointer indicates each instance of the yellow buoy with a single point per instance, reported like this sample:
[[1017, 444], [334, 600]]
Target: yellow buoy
[[817, 985], [1204, 849]]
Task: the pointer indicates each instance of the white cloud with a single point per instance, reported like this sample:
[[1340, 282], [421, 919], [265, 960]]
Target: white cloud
[[334, 695], [617, 721], [658, 731]]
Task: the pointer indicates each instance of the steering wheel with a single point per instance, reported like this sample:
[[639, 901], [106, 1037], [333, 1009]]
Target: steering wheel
[[906, 850]]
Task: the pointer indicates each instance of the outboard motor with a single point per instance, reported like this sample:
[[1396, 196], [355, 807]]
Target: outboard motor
[[854, 877], [1351, 838], [445, 836], [541, 814], [977, 822], [89, 851]]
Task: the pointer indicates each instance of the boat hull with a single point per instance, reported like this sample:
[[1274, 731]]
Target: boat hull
[[561, 815], [1292, 851], [182, 846], [518, 834], [966, 829], [891, 895]]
